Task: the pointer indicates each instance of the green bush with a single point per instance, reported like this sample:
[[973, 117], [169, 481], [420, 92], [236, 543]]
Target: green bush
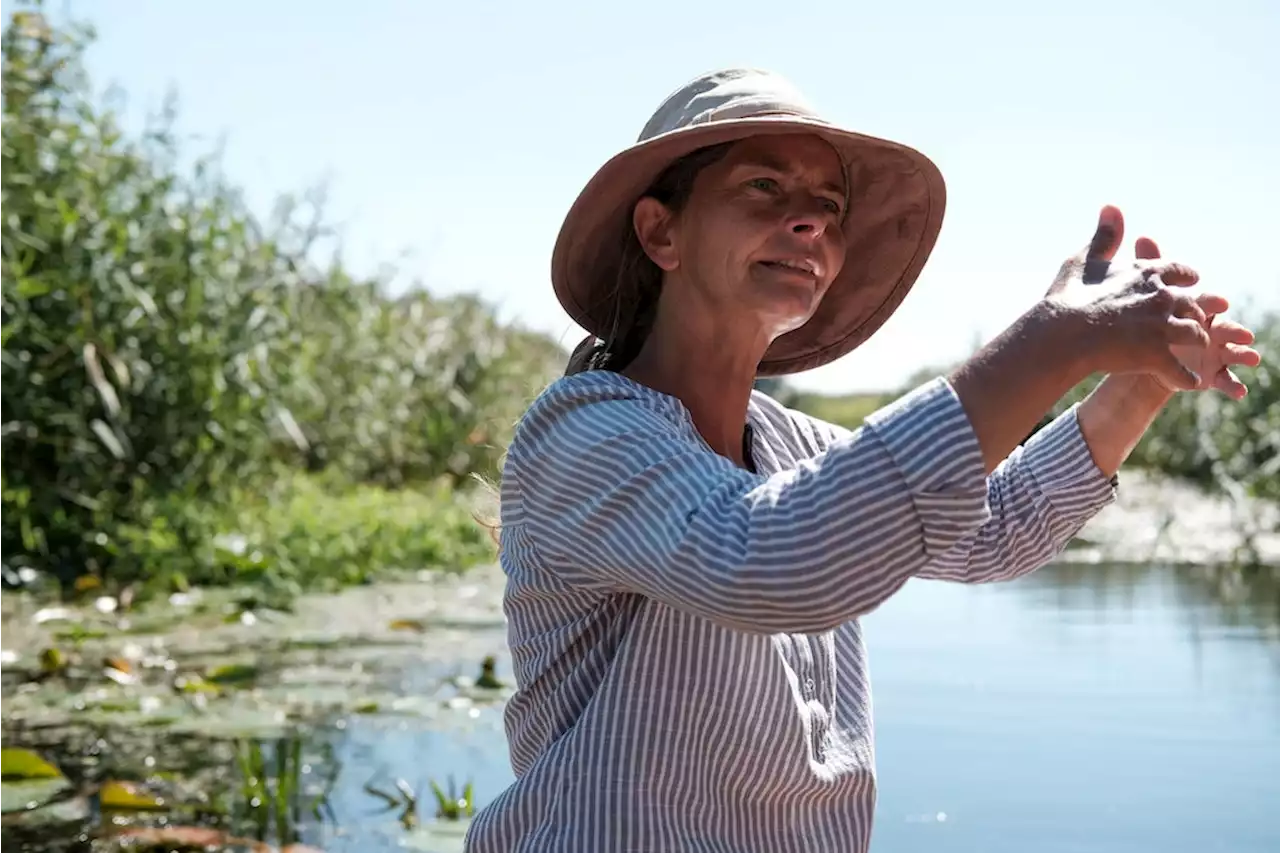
[[305, 534], [396, 391], [846, 410], [164, 351]]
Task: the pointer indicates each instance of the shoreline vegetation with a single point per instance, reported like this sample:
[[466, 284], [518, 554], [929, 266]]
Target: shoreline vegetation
[[193, 399]]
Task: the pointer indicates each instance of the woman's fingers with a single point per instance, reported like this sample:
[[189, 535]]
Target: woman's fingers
[[1228, 332], [1229, 384], [1172, 273], [1144, 248], [1212, 303], [1192, 321], [1241, 355], [1176, 374], [1189, 309], [1186, 332]]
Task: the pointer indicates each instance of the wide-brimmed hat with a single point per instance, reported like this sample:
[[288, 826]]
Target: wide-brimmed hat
[[897, 198]]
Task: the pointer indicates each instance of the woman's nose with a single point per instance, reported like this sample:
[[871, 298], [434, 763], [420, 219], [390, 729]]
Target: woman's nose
[[809, 220]]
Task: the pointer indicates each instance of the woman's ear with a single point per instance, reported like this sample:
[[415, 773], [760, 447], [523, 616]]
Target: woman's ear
[[655, 229]]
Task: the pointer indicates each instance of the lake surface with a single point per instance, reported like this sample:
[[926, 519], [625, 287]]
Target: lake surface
[[1085, 707], [1078, 709], [1109, 709]]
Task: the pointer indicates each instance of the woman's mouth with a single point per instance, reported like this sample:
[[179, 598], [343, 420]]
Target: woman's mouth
[[801, 266]]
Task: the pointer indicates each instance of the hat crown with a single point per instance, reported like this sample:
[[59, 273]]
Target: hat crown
[[734, 93]]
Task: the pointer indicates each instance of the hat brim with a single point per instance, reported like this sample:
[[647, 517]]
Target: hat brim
[[897, 202]]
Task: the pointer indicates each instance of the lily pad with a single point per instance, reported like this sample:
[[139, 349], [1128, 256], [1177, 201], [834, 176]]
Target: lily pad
[[193, 684], [49, 813], [129, 796], [16, 763], [232, 673], [23, 794]]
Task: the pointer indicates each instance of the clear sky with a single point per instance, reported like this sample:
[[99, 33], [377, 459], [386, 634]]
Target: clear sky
[[454, 136]]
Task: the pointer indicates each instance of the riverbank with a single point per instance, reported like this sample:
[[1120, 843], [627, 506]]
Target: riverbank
[[1158, 519]]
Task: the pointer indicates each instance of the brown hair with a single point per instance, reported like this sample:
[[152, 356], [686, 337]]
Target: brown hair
[[635, 294], [639, 279]]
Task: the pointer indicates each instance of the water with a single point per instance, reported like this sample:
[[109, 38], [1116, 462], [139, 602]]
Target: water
[[1106, 710], [1096, 708], [1109, 709]]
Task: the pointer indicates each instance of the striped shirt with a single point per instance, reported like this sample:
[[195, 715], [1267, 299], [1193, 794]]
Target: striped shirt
[[684, 633]]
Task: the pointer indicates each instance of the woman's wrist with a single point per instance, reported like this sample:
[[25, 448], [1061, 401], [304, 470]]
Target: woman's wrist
[[1114, 417], [1149, 390], [1072, 345]]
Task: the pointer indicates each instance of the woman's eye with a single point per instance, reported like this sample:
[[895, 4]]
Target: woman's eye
[[833, 206]]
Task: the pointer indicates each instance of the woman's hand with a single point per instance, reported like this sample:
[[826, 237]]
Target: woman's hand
[[1228, 342], [1132, 317]]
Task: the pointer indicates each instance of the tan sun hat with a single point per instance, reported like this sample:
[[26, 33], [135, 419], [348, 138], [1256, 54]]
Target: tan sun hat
[[897, 199]]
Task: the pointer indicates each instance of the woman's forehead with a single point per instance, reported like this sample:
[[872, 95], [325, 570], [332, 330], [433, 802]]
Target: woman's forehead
[[790, 154]]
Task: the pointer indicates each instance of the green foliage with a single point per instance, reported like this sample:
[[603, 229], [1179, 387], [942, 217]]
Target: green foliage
[[305, 532], [395, 391], [317, 535], [165, 352], [847, 410]]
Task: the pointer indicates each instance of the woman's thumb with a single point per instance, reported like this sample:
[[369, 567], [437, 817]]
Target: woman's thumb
[[1179, 375], [1107, 236]]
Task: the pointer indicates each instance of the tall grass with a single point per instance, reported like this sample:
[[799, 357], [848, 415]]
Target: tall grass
[[167, 353]]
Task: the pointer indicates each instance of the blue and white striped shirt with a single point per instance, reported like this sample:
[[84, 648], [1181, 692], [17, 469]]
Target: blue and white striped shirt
[[684, 633]]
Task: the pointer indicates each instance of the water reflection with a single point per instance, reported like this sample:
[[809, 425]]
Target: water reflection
[[1207, 603], [1220, 597]]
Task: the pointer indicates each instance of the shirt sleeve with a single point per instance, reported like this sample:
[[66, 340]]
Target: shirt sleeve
[[618, 496], [1040, 498]]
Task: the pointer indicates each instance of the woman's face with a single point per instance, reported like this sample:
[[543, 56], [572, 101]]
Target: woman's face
[[760, 234]]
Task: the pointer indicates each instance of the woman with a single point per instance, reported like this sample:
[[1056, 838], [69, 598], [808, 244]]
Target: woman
[[687, 560]]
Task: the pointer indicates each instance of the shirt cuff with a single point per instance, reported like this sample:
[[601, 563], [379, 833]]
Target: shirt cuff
[[1058, 459], [932, 444]]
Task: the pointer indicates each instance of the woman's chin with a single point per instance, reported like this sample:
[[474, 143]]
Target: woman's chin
[[791, 317], [791, 308]]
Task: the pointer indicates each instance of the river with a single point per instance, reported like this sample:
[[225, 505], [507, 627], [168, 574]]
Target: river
[[1108, 709]]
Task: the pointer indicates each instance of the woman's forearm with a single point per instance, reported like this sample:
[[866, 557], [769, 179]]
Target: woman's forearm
[[1009, 384], [1115, 416]]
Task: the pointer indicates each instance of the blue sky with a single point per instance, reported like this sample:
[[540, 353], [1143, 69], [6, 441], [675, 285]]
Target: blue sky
[[453, 137]]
